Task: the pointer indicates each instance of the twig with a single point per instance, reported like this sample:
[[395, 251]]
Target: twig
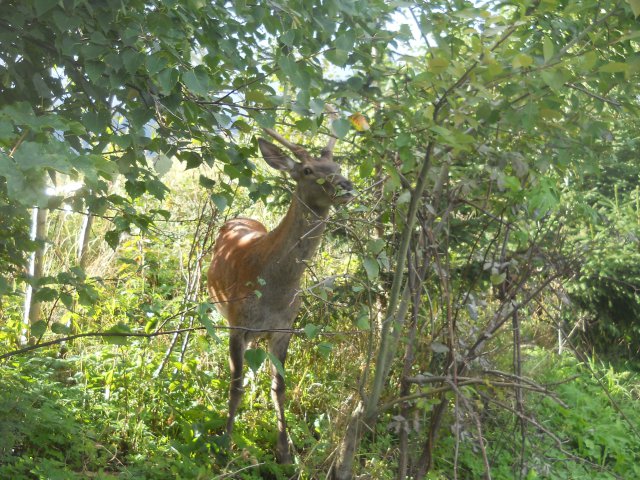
[[582, 89], [19, 142], [233, 474]]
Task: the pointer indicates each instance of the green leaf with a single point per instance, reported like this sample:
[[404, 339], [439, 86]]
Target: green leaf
[[372, 268], [544, 197], [522, 60], [5, 286], [337, 57], [60, 328], [224, 121], [375, 245], [635, 7], [403, 139], [205, 319], [288, 37], [497, 279], [196, 82], [265, 120], [277, 363], [38, 328], [41, 87], [294, 71], [220, 201], [437, 65], [26, 189], [555, 79], [346, 41], [255, 357], [6, 129], [629, 36], [167, 79], [614, 67], [288, 66], [45, 294], [155, 63], [206, 182], [150, 326], [132, 60], [112, 238], [438, 347], [43, 6], [404, 197], [95, 122], [311, 330], [363, 322], [324, 349], [588, 61], [120, 328], [511, 182], [156, 188], [162, 164], [341, 127], [66, 299], [39, 156], [547, 49], [317, 106], [202, 341], [87, 295], [66, 22]]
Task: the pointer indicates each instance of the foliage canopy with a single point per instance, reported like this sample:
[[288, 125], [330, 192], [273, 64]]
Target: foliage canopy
[[498, 181]]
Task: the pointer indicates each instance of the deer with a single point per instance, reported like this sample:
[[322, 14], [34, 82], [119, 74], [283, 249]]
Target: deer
[[254, 276]]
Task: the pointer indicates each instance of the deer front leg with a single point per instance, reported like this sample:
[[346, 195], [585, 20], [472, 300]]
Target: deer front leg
[[237, 346], [278, 347]]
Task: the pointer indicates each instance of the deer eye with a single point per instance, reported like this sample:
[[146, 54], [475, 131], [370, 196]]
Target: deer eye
[[307, 171]]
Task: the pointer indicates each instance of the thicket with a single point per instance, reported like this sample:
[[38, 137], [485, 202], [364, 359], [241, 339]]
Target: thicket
[[472, 313]]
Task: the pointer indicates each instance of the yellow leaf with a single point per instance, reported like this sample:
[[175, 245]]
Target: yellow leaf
[[359, 122]]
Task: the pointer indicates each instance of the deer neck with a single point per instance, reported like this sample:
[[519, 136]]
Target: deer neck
[[295, 240]]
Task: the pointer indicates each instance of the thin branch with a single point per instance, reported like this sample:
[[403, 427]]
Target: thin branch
[[69, 338], [462, 381], [582, 89], [19, 142]]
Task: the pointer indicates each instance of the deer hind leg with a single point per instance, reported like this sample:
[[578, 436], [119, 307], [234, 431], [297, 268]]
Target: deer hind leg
[[278, 347], [237, 346]]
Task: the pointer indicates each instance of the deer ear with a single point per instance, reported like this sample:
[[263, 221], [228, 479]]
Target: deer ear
[[275, 157]]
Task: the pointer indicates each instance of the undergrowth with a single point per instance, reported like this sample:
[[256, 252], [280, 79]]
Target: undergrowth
[[101, 413], [586, 428]]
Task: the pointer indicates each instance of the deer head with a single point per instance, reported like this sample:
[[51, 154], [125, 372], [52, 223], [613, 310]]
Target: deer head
[[319, 181]]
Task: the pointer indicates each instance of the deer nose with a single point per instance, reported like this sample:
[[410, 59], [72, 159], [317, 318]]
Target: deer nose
[[346, 185]]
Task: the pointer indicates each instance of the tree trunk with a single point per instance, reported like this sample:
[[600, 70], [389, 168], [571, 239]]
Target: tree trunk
[[83, 239], [32, 308]]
